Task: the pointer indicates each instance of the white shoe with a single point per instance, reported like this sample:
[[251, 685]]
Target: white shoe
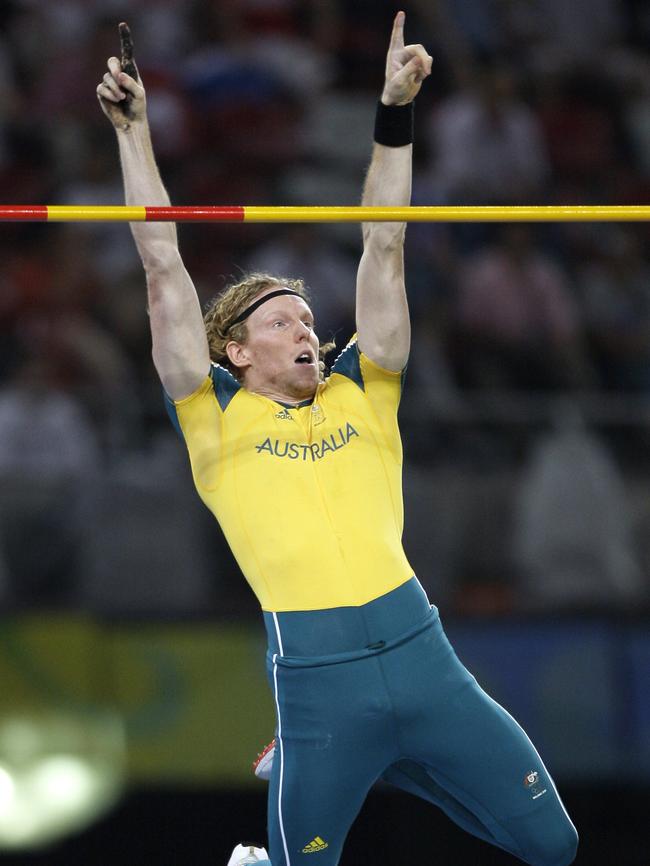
[[245, 854]]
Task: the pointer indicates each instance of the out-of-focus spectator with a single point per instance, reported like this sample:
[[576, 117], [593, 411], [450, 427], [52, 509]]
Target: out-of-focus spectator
[[149, 553], [44, 432], [579, 114], [358, 47], [48, 449], [300, 29], [239, 80], [109, 245], [560, 34], [637, 30], [163, 32], [636, 114], [517, 323], [431, 263], [572, 537], [486, 144], [615, 287], [54, 301], [7, 98], [464, 28]]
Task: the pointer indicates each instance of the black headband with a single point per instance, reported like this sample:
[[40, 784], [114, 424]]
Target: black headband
[[246, 313]]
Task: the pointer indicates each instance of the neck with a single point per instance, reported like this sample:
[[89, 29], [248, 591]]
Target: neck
[[279, 396]]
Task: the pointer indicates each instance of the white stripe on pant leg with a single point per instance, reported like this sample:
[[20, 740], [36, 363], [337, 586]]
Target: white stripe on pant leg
[[277, 632], [279, 743]]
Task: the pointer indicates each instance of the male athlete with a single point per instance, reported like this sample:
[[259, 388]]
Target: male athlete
[[304, 475]]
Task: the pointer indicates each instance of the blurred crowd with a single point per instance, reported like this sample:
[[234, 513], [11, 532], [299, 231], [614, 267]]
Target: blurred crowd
[[527, 407]]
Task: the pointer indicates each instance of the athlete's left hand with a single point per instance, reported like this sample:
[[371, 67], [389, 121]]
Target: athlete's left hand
[[406, 67]]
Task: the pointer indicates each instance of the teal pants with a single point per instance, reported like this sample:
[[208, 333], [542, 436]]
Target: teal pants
[[377, 692]]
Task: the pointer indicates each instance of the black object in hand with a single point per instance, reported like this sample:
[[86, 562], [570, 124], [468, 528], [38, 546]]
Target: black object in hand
[[126, 42], [127, 63]]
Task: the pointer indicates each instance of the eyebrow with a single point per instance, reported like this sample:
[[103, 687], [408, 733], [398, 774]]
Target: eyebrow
[[272, 313]]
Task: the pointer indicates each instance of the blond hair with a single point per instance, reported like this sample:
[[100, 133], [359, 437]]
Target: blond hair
[[232, 302]]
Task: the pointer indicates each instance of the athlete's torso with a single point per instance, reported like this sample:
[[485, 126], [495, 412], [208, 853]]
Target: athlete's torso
[[309, 498]]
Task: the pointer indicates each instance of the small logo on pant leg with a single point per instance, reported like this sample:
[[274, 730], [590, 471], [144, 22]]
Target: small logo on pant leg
[[531, 781], [316, 844]]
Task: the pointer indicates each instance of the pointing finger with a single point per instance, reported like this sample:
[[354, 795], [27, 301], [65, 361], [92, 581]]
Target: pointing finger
[[397, 36]]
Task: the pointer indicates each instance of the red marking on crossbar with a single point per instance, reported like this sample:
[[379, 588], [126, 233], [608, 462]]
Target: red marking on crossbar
[[231, 214], [23, 213]]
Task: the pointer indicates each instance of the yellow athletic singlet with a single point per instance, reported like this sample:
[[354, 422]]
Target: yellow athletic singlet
[[309, 498]]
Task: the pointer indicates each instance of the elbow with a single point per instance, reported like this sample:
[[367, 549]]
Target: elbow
[[160, 259], [383, 253], [384, 237]]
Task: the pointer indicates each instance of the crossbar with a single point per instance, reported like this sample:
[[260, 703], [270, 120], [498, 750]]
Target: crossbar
[[239, 214]]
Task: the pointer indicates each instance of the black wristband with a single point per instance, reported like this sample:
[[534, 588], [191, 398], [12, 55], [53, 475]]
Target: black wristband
[[394, 124]]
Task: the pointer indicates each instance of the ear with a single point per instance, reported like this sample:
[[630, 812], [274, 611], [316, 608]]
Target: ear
[[237, 355]]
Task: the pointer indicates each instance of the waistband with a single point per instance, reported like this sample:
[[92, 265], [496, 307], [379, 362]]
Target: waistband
[[343, 630]]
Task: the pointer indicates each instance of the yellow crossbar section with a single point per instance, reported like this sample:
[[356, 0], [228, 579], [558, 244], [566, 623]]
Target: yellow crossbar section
[[94, 213], [448, 214]]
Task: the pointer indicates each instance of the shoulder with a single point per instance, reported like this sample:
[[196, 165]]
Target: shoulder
[[348, 364], [356, 367], [225, 385], [218, 388]]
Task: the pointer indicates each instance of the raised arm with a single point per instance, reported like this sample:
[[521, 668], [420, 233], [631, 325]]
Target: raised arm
[[180, 346], [383, 326]]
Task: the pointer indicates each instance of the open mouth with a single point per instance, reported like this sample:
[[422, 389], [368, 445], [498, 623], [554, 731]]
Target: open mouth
[[305, 358]]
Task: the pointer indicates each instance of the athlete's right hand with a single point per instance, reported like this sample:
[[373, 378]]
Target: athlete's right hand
[[121, 96]]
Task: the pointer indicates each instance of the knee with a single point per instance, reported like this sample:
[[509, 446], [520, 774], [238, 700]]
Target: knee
[[566, 847]]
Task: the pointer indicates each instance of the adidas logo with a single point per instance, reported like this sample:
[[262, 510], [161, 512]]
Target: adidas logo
[[284, 415], [315, 845]]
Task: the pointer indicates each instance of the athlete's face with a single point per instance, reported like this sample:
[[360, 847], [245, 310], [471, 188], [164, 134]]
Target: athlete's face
[[280, 355]]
